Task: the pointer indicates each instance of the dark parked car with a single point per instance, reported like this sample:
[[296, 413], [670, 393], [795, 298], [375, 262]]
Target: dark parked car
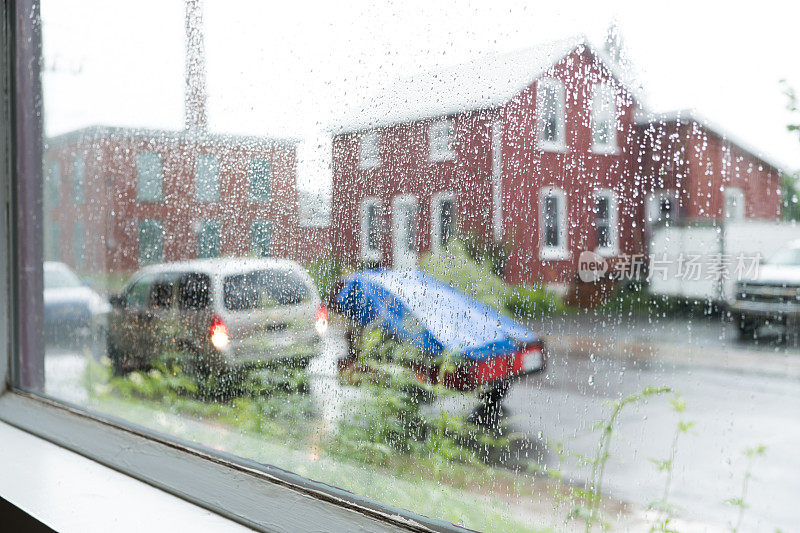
[[75, 315], [224, 313]]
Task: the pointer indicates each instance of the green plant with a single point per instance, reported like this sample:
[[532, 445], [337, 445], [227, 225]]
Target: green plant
[[592, 495], [666, 511], [325, 272], [526, 302], [740, 502]]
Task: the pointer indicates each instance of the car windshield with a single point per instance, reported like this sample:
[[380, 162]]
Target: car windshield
[[60, 278], [262, 289], [785, 257]]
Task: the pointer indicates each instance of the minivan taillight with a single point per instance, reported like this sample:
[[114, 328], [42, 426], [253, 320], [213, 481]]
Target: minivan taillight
[[321, 319], [219, 333]]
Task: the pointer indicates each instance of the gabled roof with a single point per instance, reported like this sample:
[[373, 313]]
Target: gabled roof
[[687, 116], [484, 83]]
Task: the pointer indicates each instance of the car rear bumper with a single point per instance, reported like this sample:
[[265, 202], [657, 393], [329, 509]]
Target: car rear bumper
[[529, 360]]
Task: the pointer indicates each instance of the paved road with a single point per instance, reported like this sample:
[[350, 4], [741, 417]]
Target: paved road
[[732, 406]]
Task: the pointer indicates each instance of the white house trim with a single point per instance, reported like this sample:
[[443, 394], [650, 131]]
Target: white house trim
[[367, 253], [604, 109], [497, 180], [542, 87]]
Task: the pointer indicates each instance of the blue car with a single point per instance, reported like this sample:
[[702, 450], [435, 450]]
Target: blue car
[[75, 316], [485, 349]]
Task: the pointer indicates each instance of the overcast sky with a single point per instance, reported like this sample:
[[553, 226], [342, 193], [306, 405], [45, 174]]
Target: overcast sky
[[289, 69]]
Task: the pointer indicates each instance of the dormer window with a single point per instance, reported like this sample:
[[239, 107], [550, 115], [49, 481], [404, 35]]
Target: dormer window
[[550, 110], [604, 119], [441, 140], [368, 154]]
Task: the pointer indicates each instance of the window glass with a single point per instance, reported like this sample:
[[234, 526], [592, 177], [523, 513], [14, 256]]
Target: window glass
[[368, 151], [260, 178], [261, 239], [264, 289], [208, 239], [207, 178], [78, 170], [513, 269], [149, 176], [151, 242]]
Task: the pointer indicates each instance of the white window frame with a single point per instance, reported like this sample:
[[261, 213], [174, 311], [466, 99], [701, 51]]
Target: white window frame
[[440, 140], [437, 200], [560, 144], [366, 253], [612, 248], [737, 195], [369, 155], [209, 161], [497, 180], [604, 108], [561, 250], [402, 258]]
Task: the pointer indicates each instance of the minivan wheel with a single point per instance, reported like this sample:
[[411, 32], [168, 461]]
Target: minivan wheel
[[746, 327]]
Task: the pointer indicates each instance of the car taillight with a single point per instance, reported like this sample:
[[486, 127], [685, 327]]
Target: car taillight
[[219, 333], [321, 320]]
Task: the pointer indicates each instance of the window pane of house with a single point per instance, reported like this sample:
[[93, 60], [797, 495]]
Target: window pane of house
[[151, 245], [261, 239], [149, 176], [426, 258], [208, 240], [260, 178], [207, 178], [78, 169]]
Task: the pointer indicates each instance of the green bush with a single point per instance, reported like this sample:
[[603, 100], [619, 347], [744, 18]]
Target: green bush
[[532, 301]]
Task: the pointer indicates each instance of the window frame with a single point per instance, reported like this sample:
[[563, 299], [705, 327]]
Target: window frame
[[207, 198], [604, 106], [440, 129], [561, 251], [254, 197], [437, 199], [366, 253], [249, 493], [369, 155], [727, 194], [612, 221], [560, 144]]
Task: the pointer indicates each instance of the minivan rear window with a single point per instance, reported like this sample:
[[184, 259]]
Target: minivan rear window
[[194, 291], [263, 289]]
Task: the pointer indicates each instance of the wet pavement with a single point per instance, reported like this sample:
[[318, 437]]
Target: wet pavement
[[733, 406]]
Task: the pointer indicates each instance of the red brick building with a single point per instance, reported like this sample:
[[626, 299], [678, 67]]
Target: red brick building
[[548, 149], [116, 198]]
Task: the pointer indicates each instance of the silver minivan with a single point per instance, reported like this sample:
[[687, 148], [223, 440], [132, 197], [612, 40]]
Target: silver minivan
[[224, 313]]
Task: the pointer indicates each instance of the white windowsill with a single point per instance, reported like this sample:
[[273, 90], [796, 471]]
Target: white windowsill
[[605, 150], [441, 157], [607, 252], [552, 147], [553, 254], [69, 492]]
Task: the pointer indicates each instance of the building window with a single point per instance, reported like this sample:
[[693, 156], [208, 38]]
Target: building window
[[497, 180], [734, 203], [78, 179], [662, 208], [260, 178], [371, 229], [553, 219], [605, 222], [53, 183], [261, 238], [368, 151], [149, 177], [206, 178], [208, 239], [550, 110], [441, 140], [442, 220], [151, 242], [52, 242], [78, 233], [604, 119]]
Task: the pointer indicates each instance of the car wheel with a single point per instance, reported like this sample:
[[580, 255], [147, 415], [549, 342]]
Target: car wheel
[[746, 327]]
